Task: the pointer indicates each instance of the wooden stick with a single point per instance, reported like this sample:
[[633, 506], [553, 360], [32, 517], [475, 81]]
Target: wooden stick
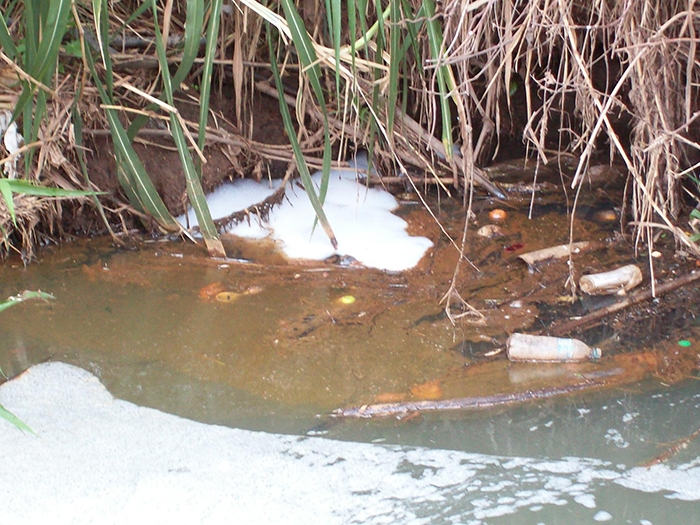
[[672, 450], [470, 403]]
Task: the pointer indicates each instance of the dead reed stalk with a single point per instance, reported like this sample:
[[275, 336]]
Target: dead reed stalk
[[617, 75]]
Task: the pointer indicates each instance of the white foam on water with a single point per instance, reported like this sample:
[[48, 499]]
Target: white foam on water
[[360, 217], [231, 197], [97, 459], [681, 482]]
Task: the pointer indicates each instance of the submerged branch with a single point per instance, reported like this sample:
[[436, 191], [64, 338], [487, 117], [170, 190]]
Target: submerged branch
[[474, 403], [672, 450]]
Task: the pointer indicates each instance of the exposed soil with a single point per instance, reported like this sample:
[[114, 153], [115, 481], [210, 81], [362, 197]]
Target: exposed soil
[[162, 161]]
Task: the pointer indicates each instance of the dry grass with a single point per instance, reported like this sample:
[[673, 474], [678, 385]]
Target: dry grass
[[54, 164], [589, 69], [618, 77]]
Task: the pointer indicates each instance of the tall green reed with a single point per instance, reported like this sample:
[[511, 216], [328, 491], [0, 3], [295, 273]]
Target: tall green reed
[[36, 54]]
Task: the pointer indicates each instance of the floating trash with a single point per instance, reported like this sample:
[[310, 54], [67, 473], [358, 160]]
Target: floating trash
[[553, 252], [544, 349], [209, 292], [618, 281], [12, 141], [490, 230], [347, 299], [497, 215], [227, 297]]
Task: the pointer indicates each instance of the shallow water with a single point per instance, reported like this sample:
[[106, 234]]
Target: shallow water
[[288, 350]]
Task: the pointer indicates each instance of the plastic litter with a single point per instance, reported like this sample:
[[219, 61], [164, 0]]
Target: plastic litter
[[618, 281], [545, 349]]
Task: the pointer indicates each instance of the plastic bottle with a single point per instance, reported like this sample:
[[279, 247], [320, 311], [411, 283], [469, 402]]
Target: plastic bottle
[[618, 281], [544, 349]]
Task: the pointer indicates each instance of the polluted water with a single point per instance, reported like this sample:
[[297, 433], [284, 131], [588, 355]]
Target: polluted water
[[219, 380]]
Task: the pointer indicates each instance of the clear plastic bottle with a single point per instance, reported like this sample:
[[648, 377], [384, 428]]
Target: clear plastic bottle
[[544, 349]]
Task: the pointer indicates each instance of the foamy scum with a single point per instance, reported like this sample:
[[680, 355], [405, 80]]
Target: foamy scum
[[361, 219]]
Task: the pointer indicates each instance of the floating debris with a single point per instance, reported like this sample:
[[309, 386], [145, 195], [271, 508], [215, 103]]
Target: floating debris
[[545, 349], [227, 297], [618, 281], [489, 231], [554, 252], [497, 215], [210, 291], [12, 141], [347, 299]]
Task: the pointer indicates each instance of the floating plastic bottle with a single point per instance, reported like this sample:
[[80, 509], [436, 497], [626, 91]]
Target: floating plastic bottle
[[544, 349], [618, 281]]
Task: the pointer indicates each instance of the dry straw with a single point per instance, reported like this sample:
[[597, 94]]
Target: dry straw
[[405, 79]]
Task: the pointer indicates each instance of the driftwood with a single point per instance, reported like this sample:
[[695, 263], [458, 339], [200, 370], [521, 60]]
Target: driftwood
[[594, 380]]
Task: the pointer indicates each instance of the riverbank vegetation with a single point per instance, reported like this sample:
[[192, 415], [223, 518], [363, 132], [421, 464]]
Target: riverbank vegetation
[[434, 91]]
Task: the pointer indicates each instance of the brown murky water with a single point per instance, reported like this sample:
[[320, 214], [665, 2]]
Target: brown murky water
[[273, 346], [232, 341]]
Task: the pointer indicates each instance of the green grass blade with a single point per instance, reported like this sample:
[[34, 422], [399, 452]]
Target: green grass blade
[[364, 29], [24, 296], [40, 58], [207, 72], [196, 194], [14, 420], [193, 36], [396, 57], [99, 13], [194, 185], [53, 31], [25, 187], [141, 183], [6, 193], [352, 30], [377, 30], [131, 173], [80, 151], [305, 50], [32, 30], [193, 33], [298, 154], [309, 62], [6, 42], [128, 184], [335, 8], [8, 187], [442, 73], [413, 27]]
